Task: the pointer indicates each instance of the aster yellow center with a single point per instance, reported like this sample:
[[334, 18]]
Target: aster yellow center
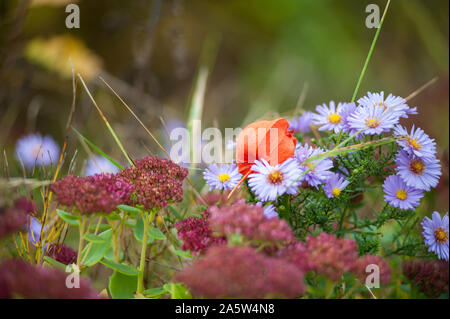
[[275, 177], [334, 118], [372, 123], [414, 144], [441, 235], [401, 194], [336, 192], [311, 166], [417, 166], [224, 177]]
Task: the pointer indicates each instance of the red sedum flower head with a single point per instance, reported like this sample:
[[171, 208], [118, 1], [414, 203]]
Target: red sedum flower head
[[92, 194], [431, 276], [14, 219], [156, 182], [19, 279], [196, 234], [325, 254], [249, 220], [241, 272], [62, 253], [383, 266]]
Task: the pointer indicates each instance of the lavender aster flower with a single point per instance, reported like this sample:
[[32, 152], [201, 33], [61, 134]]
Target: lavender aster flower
[[335, 184], [348, 110], [392, 104], [371, 120], [98, 165], [269, 182], [329, 117], [435, 232], [270, 211], [418, 143], [34, 150], [417, 172], [400, 195], [319, 169], [34, 231], [222, 176], [301, 124]]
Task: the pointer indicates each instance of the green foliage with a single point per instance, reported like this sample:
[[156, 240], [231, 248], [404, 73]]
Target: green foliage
[[94, 252], [122, 286], [123, 269], [177, 291]]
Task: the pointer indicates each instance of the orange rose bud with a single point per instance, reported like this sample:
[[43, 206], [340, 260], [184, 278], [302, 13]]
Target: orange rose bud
[[269, 140]]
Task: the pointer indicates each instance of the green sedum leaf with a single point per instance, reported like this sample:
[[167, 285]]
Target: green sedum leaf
[[98, 250], [156, 233], [68, 218], [122, 286], [177, 291], [139, 232], [123, 269], [94, 238]]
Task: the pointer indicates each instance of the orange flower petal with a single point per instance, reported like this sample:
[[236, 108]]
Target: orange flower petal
[[269, 140]]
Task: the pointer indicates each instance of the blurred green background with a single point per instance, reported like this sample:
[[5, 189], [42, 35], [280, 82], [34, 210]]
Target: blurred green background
[[261, 54]]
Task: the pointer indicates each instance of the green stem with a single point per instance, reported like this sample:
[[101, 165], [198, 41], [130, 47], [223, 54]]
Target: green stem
[[341, 222], [148, 219], [115, 248], [81, 241]]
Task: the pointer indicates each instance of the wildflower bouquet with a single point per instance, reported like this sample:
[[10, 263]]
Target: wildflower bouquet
[[323, 204]]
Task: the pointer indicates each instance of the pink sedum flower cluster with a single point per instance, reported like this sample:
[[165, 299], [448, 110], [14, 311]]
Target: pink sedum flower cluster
[[332, 257], [250, 221], [19, 279], [62, 253], [92, 194], [196, 234], [431, 276], [363, 262], [156, 182], [14, 219], [242, 272]]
